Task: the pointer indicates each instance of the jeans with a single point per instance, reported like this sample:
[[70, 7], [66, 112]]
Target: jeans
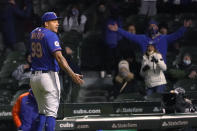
[[156, 89]]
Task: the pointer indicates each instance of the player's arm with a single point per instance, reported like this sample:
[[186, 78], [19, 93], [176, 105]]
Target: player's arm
[[64, 65]]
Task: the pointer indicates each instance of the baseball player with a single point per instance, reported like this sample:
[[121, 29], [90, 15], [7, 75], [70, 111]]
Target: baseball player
[[46, 59]]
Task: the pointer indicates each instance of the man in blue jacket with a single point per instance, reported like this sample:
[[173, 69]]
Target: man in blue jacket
[[111, 39], [153, 36], [8, 14], [25, 112]]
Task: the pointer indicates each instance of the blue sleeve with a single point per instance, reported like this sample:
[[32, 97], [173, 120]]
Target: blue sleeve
[[120, 26], [53, 42], [176, 35], [132, 37], [111, 37]]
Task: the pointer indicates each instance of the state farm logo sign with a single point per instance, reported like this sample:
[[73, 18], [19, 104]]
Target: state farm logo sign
[[123, 125], [129, 110], [174, 123], [156, 109]]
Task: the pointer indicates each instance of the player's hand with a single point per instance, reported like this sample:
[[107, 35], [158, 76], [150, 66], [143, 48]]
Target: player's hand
[[187, 23], [113, 27], [78, 79]]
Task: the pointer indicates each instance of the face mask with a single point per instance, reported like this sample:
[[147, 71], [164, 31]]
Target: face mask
[[152, 32], [150, 52], [187, 62], [75, 12]]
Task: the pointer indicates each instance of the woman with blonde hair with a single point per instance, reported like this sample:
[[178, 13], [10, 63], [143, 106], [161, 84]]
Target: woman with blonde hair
[[152, 69]]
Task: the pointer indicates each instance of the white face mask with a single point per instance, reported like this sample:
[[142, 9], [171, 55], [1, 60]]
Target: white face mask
[[187, 62], [150, 52], [75, 12]]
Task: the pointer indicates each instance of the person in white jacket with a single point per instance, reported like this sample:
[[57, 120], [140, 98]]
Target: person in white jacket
[[23, 72], [152, 69], [74, 21]]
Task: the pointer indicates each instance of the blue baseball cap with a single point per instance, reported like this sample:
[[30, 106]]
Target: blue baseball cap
[[152, 22], [152, 43], [48, 16]]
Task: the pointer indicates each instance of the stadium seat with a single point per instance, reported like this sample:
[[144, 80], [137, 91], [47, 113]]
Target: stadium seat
[[7, 82], [187, 84], [130, 97]]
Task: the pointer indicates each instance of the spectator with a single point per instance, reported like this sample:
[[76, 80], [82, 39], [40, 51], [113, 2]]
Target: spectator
[[25, 112], [69, 56], [98, 14], [152, 70], [126, 73], [176, 101], [152, 36], [163, 29], [8, 16], [23, 72], [111, 39], [175, 51], [131, 29], [74, 26], [182, 102], [74, 21], [190, 68], [64, 78], [185, 69], [98, 18], [148, 7]]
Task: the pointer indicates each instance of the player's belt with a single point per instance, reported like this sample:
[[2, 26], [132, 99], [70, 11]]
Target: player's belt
[[42, 71]]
